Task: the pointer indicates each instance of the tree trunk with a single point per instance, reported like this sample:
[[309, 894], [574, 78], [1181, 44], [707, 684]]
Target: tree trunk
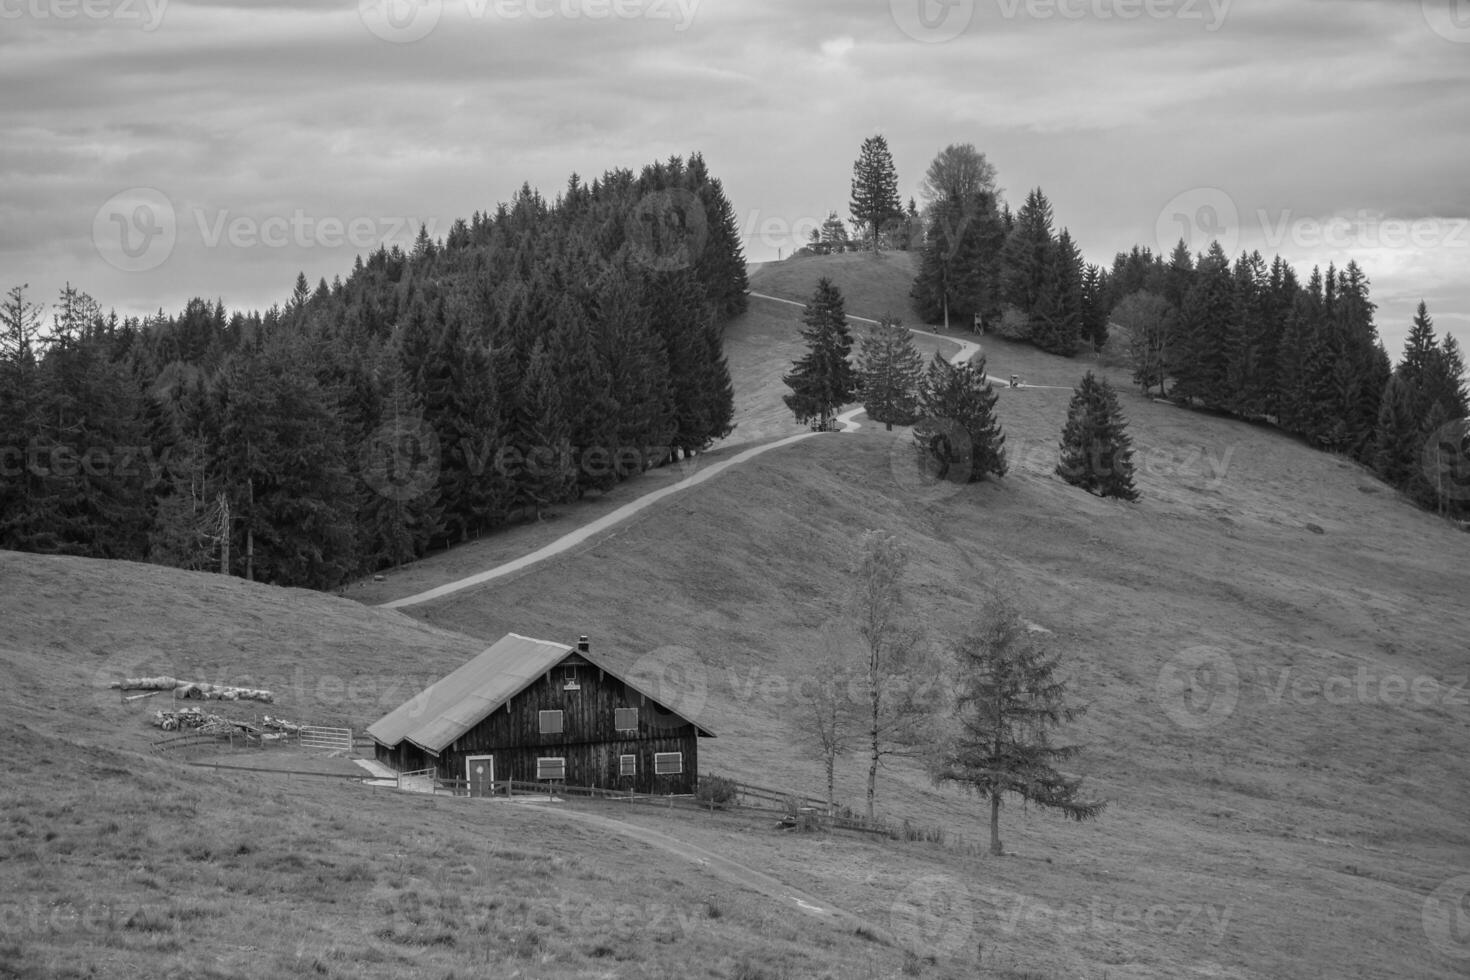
[[873, 731], [995, 847], [831, 795]]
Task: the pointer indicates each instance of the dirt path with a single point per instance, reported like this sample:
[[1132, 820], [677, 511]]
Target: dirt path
[[968, 348], [722, 867], [571, 539]]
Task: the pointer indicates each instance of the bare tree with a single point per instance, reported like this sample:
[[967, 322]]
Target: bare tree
[[895, 715], [828, 718]]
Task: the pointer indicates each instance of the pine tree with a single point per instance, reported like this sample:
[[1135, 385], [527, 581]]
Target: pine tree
[[20, 324], [875, 201], [1008, 697], [959, 435], [1094, 311], [1096, 452], [888, 374], [1056, 319], [398, 511], [1027, 254], [822, 380], [1199, 352], [1396, 440], [959, 267], [544, 476]]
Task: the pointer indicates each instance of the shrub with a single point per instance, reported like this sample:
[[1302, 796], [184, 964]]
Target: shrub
[[716, 792]]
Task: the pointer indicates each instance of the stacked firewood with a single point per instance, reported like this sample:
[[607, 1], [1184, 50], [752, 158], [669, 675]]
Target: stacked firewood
[[192, 689]]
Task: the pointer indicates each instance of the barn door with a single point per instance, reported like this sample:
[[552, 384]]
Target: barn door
[[480, 773]]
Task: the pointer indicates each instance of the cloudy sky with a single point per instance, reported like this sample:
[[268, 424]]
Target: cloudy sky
[[154, 150]]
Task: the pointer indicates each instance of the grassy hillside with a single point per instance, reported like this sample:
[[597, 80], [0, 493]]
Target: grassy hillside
[[872, 285], [124, 864], [1291, 821]]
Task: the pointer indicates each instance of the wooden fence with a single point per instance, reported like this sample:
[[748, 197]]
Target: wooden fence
[[790, 808]]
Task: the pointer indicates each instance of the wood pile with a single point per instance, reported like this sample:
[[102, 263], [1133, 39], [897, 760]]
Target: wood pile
[[192, 689], [197, 720]]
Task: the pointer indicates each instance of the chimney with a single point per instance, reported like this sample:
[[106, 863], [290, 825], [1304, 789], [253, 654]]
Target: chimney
[[582, 645]]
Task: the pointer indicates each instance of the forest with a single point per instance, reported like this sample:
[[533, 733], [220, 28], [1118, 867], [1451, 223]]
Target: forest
[[536, 353]]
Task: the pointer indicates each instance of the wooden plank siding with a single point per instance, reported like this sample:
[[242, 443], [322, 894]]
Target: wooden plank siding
[[588, 739]]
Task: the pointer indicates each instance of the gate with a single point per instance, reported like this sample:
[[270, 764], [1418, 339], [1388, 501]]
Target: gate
[[334, 739]]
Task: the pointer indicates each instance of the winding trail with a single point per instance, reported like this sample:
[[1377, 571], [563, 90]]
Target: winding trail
[[572, 539]]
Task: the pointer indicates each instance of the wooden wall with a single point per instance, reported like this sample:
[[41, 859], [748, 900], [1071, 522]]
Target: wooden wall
[[588, 741]]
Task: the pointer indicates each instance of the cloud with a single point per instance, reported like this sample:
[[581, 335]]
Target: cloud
[[266, 111]]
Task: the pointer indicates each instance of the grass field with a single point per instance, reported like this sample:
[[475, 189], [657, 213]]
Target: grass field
[[1293, 819]]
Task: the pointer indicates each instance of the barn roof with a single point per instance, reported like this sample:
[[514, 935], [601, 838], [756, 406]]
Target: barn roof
[[461, 699]]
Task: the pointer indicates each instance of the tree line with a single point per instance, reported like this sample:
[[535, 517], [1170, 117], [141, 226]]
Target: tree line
[[1242, 337], [534, 354], [1251, 340]]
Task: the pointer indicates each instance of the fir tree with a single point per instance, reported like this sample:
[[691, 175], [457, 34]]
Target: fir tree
[[1096, 452], [959, 435], [1397, 438], [888, 374], [544, 476], [822, 380], [959, 266], [1056, 318], [875, 201], [1026, 256]]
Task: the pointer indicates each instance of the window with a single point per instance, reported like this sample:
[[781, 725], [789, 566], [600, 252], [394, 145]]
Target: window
[[626, 719], [627, 765], [550, 722], [668, 763], [551, 768]]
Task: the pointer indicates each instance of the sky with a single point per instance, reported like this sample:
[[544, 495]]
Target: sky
[[157, 150]]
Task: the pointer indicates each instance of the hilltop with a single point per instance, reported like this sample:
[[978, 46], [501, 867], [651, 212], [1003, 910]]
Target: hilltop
[[1296, 833]]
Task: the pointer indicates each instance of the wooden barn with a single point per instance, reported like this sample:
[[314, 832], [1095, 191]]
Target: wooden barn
[[534, 710]]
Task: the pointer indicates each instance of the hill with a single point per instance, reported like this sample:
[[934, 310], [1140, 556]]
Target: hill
[[1290, 820]]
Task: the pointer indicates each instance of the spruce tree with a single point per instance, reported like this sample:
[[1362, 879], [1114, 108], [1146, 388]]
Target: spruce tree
[[1199, 351], [1056, 319], [822, 380], [543, 475], [1397, 438], [398, 511], [888, 374], [875, 201], [959, 266], [959, 434], [1026, 255], [1096, 451]]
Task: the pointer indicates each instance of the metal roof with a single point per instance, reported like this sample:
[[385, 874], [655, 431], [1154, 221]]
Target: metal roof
[[461, 699]]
